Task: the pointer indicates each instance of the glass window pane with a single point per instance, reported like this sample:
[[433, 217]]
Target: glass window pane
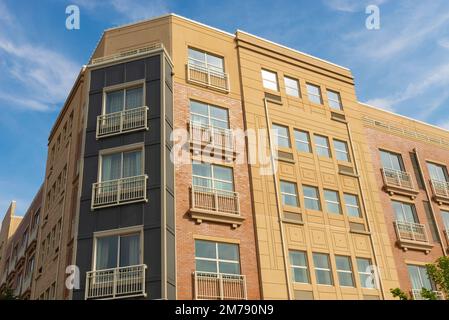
[[321, 260], [363, 264], [445, 216], [106, 252], [281, 136], [334, 99], [298, 258], [345, 279], [291, 87], [197, 55], [343, 263], [228, 251], [230, 268], [130, 250], [205, 249], [215, 62], [202, 182], [330, 195], [269, 80], [201, 169], [289, 200], [132, 164], [323, 277], [223, 173], [302, 141], [111, 167], [314, 94], [114, 101], [288, 187], [341, 150], [205, 265], [300, 275], [219, 113], [225, 186], [134, 98], [199, 108]]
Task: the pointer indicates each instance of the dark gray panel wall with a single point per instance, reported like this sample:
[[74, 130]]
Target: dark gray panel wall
[[147, 214]]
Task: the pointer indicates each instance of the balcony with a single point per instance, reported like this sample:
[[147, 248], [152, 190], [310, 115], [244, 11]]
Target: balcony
[[440, 191], [120, 191], [398, 182], [416, 294], [215, 205], [122, 122], [199, 73], [216, 140], [219, 286], [116, 283], [412, 236]]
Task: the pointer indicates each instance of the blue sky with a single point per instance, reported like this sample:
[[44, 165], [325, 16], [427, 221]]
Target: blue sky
[[403, 67]]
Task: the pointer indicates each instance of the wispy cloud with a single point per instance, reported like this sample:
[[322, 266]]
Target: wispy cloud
[[128, 10], [42, 76], [351, 5]]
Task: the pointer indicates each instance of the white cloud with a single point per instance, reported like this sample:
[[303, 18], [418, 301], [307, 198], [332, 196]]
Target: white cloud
[[42, 77], [385, 104], [444, 43], [352, 5], [129, 10]]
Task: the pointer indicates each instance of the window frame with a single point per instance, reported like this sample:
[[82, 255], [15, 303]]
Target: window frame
[[365, 273], [390, 154], [340, 151], [350, 271], [309, 147], [217, 259], [443, 169], [338, 202], [212, 177], [359, 210], [320, 93], [276, 135], [413, 209], [306, 267], [209, 117], [205, 63], [320, 147], [297, 89], [317, 199], [289, 194], [269, 81], [340, 104], [119, 233], [329, 269], [123, 87], [123, 149]]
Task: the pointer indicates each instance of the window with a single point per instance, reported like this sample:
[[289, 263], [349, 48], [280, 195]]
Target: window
[[391, 160], [208, 115], [334, 99], [270, 80], [302, 141], [124, 99], [365, 273], [322, 146], [341, 150], [437, 172], [36, 219], [217, 257], [30, 265], [292, 87], [344, 271], [121, 165], [281, 136], [117, 251], [289, 194], [314, 93], [322, 269], [445, 215], [311, 198], [212, 176], [299, 265], [419, 278], [404, 212], [332, 201], [352, 205], [207, 60]]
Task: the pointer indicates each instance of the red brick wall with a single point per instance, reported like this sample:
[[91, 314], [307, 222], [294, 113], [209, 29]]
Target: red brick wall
[[186, 228], [426, 152]]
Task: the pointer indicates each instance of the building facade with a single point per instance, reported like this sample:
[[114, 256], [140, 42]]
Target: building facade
[[191, 163]]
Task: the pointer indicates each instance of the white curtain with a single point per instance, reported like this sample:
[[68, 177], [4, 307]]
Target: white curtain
[[110, 167], [132, 164], [114, 101], [129, 250], [106, 255], [134, 98]]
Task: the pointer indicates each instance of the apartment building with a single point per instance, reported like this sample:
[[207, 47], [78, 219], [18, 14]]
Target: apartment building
[[18, 238], [154, 191], [409, 160]]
